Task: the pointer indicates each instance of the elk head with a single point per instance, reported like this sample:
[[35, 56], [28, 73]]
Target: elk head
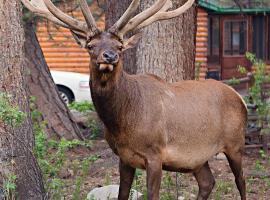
[[106, 47]]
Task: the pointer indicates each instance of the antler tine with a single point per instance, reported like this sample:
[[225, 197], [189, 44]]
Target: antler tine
[[125, 17], [138, 19], [41, 10], [71, 22], [90, 21], [163, 15]]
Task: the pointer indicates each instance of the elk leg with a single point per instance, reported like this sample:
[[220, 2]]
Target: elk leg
[[126, 179], [235, 161], [205, 181], [154, 173]]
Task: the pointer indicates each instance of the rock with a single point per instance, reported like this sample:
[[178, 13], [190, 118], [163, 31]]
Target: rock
[[221, 156], [181, 198], [110, 192], [83, 118], [89, 122]]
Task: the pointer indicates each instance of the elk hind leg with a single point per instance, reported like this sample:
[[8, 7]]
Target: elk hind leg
[[206, 181], [235, 161]]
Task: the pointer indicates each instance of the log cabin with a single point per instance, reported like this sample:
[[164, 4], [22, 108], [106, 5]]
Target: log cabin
[[226, 30]]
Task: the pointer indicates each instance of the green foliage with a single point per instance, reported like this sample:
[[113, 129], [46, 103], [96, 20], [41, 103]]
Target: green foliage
[[9, 186], [255, 92], [82, 107], [259, 166], [52, 158], [94, 129], [167, 183], [223, 188], [242, 69], [9, 114], [234, 81], [198, 66], [12, 117]]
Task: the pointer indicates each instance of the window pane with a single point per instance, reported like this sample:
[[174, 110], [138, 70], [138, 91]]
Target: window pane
[[213, 39], [235, 37], [268, 38], [259, 36], [227, 38]]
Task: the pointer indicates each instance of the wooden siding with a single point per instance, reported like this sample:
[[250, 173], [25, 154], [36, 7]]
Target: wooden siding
[[60, 50], [201, 41]]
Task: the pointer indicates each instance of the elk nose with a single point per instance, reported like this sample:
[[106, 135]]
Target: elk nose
[[110, 57]]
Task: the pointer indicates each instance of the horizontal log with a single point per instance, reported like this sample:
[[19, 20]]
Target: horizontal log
[[78, 70], [59, 45], [68, 65], [201, 34], [241, 80], [201, 39], [66, 50], [258, 174], [65, 54], [256, 146]]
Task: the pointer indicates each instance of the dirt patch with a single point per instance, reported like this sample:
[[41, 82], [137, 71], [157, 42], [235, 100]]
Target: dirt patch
[[104, 171]]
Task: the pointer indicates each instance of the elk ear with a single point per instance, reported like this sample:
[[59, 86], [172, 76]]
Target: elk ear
[[131, 42], [80, 38]]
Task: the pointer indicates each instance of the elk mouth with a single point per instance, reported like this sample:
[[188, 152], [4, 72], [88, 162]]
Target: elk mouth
[[105, 67]]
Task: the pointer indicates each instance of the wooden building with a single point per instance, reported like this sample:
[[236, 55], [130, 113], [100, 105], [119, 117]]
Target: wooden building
[[226, 30], [232, 28]]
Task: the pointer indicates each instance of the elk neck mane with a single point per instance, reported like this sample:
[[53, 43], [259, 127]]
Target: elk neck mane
[[118, 103]]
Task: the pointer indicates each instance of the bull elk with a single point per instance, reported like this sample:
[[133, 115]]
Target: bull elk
[[151, 124]]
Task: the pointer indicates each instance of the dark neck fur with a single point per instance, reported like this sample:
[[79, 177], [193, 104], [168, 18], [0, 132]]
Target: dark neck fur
[[117, 102]]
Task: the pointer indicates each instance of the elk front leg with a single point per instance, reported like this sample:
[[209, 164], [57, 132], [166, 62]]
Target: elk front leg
[[154, 173], [126, 179]]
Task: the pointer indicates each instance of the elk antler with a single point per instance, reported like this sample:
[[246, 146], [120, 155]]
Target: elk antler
[[156, 12], [45, 8], [138, 19], [126, 16], [164, 14], [91, 23]]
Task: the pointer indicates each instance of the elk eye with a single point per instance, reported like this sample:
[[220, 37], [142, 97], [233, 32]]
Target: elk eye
[[90, 47], [120, 48]]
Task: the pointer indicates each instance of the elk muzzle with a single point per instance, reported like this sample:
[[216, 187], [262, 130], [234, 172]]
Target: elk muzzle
[[110, 57], [109, 60]]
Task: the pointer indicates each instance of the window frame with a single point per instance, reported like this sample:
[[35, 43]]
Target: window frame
[[210, 39], [267, 39], [223, 36]]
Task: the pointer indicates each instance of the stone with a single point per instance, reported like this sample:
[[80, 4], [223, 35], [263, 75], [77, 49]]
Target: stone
[[221, 156], [110, 192], [86, 120]]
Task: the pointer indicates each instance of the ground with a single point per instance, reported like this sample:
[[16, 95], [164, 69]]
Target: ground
[[104, 171]]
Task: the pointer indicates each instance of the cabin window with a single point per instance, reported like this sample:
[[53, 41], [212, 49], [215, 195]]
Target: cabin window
[[235, 38], [268, 42], [213, 39], [259, 37]]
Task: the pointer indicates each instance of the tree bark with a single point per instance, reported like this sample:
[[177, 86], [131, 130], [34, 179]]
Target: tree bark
[[166, 49], [16, 143], [59, 121]]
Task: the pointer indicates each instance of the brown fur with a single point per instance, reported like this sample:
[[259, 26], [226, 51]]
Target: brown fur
[[154, 125]]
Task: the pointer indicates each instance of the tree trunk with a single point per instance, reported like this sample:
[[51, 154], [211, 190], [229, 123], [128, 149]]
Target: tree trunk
[[16, 143], [60, 122], [166, 49]]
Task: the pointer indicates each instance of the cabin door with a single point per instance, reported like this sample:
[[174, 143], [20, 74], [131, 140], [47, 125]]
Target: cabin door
[[234, 44]]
